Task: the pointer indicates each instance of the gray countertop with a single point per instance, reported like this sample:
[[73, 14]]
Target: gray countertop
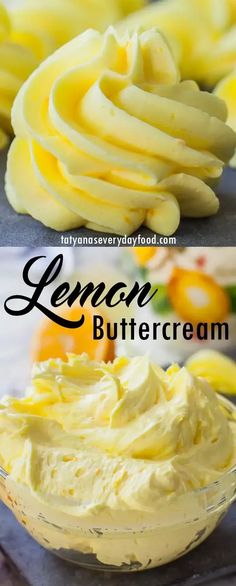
[[24, 563], [18, 230]]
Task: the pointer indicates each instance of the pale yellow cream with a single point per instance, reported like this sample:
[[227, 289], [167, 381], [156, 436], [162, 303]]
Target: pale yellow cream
[[118, 447], [226, 90], [219, 370], [201, 33], [16, 64], [33, 29], [116, 139], [45, 25]]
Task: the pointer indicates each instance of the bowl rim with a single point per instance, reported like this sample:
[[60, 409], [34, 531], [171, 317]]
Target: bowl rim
[[231, 410]]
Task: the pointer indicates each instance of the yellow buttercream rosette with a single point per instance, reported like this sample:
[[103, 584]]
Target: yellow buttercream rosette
[[4, 31], [16, 64], [45, 25], [128, 6], [109, 138], [33, 29], [164, 429], [202, 35], [226, 90], [4, 23]]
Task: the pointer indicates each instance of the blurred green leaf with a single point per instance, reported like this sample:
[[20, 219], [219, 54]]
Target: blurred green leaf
[[160, 302]]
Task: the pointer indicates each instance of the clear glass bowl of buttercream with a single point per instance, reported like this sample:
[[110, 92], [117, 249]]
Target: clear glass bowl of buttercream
[[145, 542]]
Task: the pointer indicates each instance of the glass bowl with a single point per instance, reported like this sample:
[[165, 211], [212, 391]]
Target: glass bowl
[[180, 524]]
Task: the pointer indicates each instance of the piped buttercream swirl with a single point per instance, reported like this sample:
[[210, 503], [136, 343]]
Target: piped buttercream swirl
[[33, 29], [45, 25]]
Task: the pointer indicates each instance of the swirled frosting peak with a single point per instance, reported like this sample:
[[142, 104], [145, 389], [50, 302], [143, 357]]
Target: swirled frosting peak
[[16, 64], [110, 138], [101, 438], [4, 22], [33, 29]]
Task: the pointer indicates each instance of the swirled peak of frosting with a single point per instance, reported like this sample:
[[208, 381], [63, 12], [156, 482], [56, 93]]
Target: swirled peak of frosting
[[33, 29], [116, 139], [201, 34], [4, 23], [16, 64], [118, 436]]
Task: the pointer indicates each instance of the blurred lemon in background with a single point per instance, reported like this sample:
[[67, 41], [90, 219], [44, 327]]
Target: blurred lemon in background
[[216, 368], [143, 254], [30, 30], [226, 89], [196, 297]]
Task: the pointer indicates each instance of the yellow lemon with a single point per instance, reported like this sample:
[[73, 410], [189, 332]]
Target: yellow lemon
[[196, 297], [217, 369]]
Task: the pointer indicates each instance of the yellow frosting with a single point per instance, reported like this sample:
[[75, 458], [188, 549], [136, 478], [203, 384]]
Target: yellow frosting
[[226, 90], [148, 432], [200, 32], [16, 63], [127, 6], [4, 23], [218, 369], [34, 29], [45, 25], [113, 446], [116, 140], [232, 5]]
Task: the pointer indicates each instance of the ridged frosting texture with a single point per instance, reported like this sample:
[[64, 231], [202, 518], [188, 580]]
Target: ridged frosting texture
[[106, 438], [226, 90], [202, 34], [116, 140], [16, 64], [33, 29]]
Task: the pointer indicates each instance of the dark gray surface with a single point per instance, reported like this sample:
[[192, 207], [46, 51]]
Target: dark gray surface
[[214, 560], [220, 230], [9, 574]]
